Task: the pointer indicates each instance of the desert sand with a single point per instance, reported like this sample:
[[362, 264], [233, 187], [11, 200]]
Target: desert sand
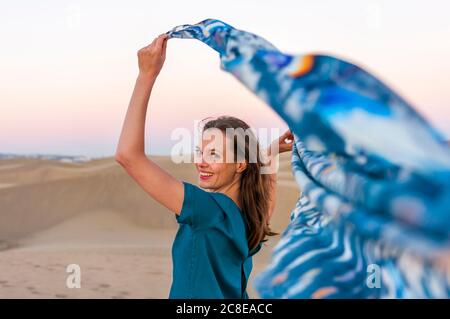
[[92, 214]]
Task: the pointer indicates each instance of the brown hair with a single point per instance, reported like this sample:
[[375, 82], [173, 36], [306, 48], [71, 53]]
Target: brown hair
[[254, 188]]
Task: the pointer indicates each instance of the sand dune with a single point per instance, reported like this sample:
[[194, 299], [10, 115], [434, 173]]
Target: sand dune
[[53, 214]]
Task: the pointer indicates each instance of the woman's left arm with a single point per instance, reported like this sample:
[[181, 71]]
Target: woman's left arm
[[281, 145]]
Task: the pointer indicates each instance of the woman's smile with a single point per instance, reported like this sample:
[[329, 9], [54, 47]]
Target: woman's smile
[[205, 175]]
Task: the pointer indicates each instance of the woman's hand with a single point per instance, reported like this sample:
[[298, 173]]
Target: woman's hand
[[151, 58], [283, 143]]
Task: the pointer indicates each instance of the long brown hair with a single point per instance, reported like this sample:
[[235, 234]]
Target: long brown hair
[[254, 190]]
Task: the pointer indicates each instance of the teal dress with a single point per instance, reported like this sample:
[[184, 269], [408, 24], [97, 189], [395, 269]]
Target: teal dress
[[210, 252]]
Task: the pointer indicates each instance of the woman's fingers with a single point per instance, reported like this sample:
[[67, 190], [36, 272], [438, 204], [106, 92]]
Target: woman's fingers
[[157, 42], [160, 41], [164, 46], [158, 45], [286, 141], [287, 133], [287, 136]]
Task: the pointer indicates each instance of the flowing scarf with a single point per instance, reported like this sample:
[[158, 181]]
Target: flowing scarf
[[373, 218]]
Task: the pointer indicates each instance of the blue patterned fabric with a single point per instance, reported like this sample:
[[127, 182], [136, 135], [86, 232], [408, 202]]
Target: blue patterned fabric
[[374, 176]]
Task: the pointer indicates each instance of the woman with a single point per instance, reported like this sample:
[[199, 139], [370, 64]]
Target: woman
[[220, 229]]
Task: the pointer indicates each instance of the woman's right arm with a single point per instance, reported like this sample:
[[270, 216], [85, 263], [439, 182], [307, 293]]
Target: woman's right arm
[[130, 153]]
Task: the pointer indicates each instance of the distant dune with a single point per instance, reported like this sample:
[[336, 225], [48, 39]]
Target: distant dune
[[92, 213]]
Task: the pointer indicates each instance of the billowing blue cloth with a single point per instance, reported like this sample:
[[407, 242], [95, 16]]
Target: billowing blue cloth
[[373, 219]]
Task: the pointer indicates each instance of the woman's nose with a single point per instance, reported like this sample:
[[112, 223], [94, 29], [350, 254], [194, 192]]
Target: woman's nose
[[201, 161]]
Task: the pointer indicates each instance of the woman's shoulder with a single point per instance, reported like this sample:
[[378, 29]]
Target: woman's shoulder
[[222, 199], [195, 191], [200, 208], [225, 199], [228, 205], [212, 202]]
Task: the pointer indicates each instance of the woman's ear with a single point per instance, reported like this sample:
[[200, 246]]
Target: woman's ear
[[240, 167]]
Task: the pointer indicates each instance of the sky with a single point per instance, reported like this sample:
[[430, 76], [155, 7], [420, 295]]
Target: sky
[[67, 68]]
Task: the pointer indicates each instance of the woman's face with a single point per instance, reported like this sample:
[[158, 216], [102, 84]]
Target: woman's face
[[214, 170]]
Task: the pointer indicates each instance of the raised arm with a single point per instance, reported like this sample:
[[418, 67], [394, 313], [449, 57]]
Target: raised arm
[[284, 145], [130, 153]]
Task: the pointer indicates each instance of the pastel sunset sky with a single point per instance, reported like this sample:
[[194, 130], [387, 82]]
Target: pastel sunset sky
[[67, 68]]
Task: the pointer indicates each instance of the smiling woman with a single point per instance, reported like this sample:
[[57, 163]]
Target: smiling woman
[[223, 227]]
